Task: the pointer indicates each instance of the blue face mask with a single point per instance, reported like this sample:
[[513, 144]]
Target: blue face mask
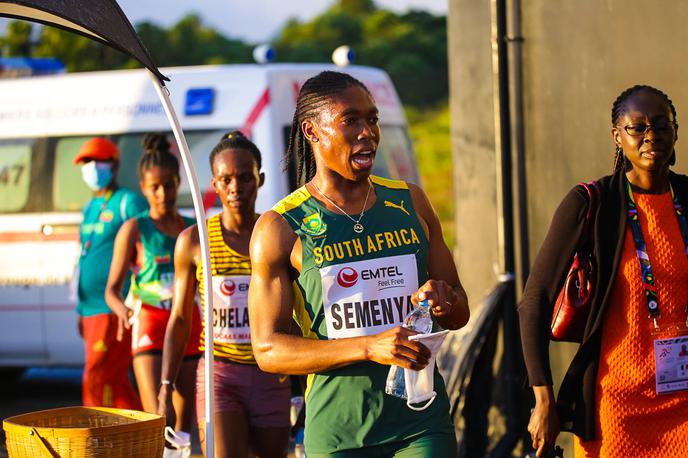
[[97, 175]]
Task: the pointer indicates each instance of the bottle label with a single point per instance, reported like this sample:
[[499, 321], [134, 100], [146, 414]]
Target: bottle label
[[230, 309], [368, 297]]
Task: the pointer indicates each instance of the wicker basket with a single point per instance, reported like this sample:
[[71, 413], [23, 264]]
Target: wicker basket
[[81, 432]]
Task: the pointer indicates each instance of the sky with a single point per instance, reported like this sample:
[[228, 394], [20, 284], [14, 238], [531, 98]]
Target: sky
[[251, 20]]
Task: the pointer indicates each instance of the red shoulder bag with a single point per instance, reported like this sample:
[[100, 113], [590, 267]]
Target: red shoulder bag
[[572, 306]]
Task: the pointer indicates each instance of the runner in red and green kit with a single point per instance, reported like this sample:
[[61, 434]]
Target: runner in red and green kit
[[347, 256], [145, 245]]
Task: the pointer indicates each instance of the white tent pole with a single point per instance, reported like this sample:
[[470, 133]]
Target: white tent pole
[[192, 179]]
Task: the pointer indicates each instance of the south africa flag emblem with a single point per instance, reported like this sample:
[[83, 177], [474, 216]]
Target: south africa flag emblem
[[314, 225]]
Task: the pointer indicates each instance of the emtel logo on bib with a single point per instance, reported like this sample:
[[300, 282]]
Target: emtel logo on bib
[[228, 287], [347, 277]]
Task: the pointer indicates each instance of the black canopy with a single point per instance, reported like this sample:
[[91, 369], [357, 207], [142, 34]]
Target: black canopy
[[101, 20]]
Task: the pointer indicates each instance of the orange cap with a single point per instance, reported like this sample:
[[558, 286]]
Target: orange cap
[[98, 149]]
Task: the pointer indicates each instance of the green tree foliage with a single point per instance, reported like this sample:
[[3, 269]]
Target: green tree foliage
[[17, 41], [354, 7], [189, 42], [411, 47], [78, 53], [430, 133]]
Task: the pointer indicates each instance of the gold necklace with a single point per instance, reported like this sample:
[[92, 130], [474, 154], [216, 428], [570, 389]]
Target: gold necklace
[[358, 227]]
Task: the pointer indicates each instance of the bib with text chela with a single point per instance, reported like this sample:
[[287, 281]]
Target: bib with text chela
[[368, 297], [230, 309]]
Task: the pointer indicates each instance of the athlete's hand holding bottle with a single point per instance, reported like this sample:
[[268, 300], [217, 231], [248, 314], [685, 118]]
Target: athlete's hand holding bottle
[[392, 347], [441, 297]]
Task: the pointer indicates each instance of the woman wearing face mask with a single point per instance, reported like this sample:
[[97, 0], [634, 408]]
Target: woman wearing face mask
[[146, 245], [251, 408], [348, 254], [107, 360]]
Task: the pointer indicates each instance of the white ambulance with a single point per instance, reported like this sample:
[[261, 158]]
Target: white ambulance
[[43, 122]]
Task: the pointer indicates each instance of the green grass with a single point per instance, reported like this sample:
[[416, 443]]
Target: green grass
[[430, 133]]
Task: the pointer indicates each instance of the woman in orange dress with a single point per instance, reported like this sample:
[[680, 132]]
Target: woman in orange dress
[[626, 391]]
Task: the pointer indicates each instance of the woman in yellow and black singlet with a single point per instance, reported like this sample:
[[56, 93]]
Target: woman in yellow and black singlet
[[347, 236], [251, 408]]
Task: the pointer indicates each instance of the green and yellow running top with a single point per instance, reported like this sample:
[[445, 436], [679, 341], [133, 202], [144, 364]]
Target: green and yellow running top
[[356, 284]]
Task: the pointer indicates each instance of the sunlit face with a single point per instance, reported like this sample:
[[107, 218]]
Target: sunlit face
[[160, 186], [652, 150], [347, 133], [236, 180]]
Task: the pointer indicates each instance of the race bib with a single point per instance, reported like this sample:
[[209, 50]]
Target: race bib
[[368, 297], [230, 309], [671, 364]]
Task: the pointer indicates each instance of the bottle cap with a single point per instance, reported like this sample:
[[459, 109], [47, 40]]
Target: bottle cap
[[424, 303]]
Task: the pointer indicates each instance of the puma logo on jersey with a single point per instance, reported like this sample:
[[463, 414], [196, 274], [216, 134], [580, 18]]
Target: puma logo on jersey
[[398, 207]]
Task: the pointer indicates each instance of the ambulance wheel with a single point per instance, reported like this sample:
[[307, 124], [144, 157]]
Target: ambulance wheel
[[9, 375]]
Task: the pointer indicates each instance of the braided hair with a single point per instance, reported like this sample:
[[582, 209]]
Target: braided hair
[[156, 153], [619, 108], [315, 93], [235, 140]]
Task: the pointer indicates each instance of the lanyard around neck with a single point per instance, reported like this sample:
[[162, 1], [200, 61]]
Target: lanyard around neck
[[87, 243], [641, 248]]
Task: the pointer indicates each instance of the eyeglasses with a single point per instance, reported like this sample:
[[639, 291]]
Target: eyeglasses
[[661, 127]]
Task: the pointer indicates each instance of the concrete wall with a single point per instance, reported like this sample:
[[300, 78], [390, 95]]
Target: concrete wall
[[577, 57], [473, 142]]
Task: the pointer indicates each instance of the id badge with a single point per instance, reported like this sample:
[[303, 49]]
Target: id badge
[[671, 364]]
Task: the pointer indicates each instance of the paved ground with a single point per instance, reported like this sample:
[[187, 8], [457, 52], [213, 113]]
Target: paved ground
[[40, 389]]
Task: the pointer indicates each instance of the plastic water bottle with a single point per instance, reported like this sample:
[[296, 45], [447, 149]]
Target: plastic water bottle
[[295, 410], [418, 320]]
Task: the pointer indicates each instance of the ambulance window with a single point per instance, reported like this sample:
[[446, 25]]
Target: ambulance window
[[15, 173], [70, 193], [130, 149], [201, 143], [394, 157], [291, 167]]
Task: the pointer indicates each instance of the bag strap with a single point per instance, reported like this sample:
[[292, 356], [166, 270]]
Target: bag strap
[[592, 190]]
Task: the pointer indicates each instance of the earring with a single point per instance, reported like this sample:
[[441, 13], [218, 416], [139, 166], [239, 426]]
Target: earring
[[315, 140], [619, 158]]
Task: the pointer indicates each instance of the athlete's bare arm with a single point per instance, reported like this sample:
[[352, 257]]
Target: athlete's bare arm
[[123, 254], [443, 290], [186, 253], [270, 313]]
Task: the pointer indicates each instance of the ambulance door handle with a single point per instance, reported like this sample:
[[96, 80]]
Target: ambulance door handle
[[59, 229]]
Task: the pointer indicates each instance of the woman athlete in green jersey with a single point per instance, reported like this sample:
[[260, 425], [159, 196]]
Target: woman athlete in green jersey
[[346, 231]]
